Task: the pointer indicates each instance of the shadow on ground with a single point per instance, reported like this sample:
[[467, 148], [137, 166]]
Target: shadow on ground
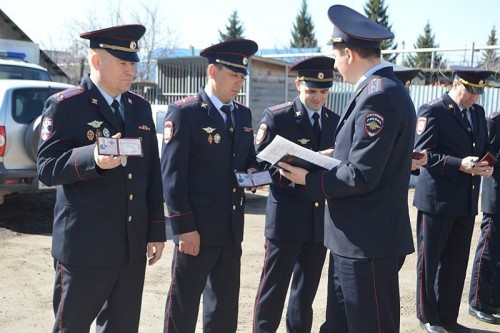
[[28, 213]]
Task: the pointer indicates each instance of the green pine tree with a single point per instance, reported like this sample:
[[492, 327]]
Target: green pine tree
[[303, 30], [424, 59], [376, 11], [234, 29], [489, 56]]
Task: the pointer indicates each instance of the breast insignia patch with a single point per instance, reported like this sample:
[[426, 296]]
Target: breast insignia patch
[[421, 125], [168, 131]]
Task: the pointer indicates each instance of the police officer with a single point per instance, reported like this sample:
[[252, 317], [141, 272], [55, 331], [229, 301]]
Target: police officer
[[453, 130], [109, 209], [484, 294], [207, 138], [294, 223], [370, 232]]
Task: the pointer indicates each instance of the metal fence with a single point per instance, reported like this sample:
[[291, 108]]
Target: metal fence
[[340, 93]]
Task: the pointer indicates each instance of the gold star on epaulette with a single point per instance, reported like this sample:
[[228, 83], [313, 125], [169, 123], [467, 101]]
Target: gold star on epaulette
[[209, 130], [373, 125], [303, 141], [95, 123]]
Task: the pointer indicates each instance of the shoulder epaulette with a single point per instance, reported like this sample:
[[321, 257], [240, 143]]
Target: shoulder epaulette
[[135, 94], [70, 92], [435, 101], [495, 115], [280, 106], [186, 100], [374, 86]]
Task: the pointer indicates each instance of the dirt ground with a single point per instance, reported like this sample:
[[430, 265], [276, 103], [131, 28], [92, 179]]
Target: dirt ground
[[26, 272]]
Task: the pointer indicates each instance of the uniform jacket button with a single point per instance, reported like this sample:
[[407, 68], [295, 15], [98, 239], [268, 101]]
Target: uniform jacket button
[[130, 218], [131, 197], [316, 204], [129, 176]]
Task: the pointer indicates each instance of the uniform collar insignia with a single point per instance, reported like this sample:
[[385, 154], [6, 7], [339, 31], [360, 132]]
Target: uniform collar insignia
[[204, 105], [297, 114], [209, 130], [129, 100], [94, 101], [450, 106], [303, 141], [95, 123]]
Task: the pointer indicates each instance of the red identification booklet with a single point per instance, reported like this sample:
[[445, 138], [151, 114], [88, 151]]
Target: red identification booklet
[[490, 158]]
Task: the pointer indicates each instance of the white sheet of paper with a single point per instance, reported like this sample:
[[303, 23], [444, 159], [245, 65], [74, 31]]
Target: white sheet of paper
[[281, 146]]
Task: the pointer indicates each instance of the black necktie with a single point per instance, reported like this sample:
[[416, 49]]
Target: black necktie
[[316, 127], [116, 108], [466, 114], [229, 122]]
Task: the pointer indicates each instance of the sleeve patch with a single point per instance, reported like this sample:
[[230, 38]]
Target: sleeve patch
[[421, 125], [374, 123], [47, 128], [261, 134], [168, 131]]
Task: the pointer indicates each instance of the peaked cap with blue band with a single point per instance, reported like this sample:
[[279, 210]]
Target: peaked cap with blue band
[[120, 41], [316, 72], [473, 78], [355, 29], [233, 54]]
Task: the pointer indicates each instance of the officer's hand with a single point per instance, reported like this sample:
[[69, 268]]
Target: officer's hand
[[252, 170], [294, 174], [155, 249], [483, 169], [107, 161], [189, 243], [468, 165], [327, 152]]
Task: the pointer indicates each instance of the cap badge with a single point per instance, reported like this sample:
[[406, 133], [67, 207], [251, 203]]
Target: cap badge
[[133, 45], [245, 61], [321, 76]]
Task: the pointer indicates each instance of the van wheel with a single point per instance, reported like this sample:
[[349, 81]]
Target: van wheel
[[31, 138]]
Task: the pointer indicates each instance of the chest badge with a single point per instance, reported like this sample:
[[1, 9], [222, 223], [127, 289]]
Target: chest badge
[[90, 135], [217, 138], [303, 141], [209, 130], [106, 132], [95, 123]]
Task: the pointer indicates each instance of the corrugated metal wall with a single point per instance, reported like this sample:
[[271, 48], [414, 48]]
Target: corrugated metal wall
[[340, 93]]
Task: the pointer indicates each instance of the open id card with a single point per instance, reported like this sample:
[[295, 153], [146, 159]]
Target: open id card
[[255, 179], [119, 147]]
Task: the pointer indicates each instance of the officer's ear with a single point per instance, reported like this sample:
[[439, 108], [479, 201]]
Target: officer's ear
[[211, 70]]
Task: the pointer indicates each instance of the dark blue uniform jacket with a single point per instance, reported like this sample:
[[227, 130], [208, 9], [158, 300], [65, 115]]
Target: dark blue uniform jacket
[[368, 192], [198, 165], [290, 214], [101, 217], [441, 188]]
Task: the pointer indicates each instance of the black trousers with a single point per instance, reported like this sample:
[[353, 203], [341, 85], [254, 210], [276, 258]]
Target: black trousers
[[363, 295], [215, 273], [300, 261], [111, 295], [443, 253], [485, 280]]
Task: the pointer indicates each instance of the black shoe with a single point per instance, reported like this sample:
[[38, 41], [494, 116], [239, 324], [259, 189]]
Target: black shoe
[[483, 316], [456, 328], [431, 328], [494, 310]]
